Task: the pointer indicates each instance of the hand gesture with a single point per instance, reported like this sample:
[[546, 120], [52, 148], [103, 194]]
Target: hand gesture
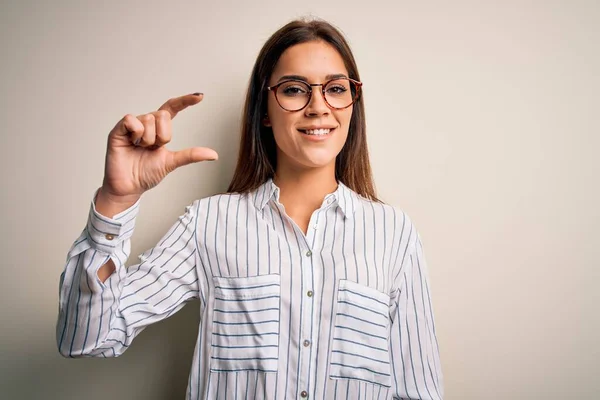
[[136, 156]]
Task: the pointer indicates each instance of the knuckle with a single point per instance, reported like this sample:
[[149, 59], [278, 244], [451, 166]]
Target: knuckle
[[128, 118], [163, 115], [146, 118]]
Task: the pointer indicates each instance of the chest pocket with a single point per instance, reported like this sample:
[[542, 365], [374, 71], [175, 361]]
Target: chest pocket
[[245, 334], [360, 341]]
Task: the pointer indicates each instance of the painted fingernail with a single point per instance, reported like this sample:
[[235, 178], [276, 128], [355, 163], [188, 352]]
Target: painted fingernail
[[198, 94]]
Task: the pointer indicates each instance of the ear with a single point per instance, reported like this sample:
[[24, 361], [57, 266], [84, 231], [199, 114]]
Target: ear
[[266, 121]]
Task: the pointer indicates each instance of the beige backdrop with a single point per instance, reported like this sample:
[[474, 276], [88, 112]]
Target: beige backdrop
[[483, 126]]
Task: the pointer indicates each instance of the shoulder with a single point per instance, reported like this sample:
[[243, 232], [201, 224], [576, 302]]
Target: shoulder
[[219, 199], [219, 205], [394, 219], [390, 213]]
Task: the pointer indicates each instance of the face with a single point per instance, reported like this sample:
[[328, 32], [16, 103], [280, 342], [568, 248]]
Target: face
[[315, 135]]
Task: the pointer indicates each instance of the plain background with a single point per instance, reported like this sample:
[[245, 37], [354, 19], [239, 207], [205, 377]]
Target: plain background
[[482, 125]]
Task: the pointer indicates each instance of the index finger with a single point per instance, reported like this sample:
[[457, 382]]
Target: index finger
[[177, 104]]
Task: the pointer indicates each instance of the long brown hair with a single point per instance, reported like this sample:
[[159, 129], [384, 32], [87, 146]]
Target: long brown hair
[[257, 159]]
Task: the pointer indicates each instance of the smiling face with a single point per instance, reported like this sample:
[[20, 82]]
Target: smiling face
[[314, 136]]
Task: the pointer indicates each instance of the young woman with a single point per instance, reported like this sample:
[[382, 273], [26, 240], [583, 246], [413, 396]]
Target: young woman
[[309, 286]]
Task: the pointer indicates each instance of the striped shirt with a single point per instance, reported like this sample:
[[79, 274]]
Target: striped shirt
[[341, 312]]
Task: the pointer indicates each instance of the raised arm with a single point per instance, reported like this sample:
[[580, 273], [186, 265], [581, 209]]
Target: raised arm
[[102, 304]]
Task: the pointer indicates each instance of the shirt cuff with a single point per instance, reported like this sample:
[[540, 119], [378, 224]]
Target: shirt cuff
[[105, 233]]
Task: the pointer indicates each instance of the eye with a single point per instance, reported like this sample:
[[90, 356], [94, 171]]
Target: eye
[[336, 89], [292, 89]]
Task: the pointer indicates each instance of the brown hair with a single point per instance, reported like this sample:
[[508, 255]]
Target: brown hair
[[257, 159]]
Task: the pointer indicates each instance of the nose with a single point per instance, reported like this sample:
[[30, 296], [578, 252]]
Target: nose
[[316, 105]]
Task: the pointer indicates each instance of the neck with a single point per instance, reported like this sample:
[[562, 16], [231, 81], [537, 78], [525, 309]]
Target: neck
[[302, 190]]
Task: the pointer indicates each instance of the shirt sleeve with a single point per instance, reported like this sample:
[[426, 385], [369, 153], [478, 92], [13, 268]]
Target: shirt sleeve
[[99, 319], [415, 356]]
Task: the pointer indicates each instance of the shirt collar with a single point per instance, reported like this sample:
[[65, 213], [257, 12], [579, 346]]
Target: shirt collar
[[264, 193], [345, 197]]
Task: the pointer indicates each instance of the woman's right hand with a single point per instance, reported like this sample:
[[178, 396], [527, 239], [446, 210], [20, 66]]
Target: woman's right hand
[[137, 159]]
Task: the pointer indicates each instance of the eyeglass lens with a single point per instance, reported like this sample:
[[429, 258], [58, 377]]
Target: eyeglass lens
[[295, 95]]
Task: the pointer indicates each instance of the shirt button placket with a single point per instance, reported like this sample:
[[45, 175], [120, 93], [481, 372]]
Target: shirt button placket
[[306, 325]]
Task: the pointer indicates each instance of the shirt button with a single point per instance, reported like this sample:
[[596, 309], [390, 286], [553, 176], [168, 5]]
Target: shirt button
[[308, 253], [109, 236], [306, 343], [309, 293], [304, 394]]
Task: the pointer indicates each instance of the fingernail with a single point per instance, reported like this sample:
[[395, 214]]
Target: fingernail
[[198, 94], [137, 142]]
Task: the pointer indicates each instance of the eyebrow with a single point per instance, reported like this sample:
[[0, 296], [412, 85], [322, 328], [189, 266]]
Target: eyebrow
[[305, 79]]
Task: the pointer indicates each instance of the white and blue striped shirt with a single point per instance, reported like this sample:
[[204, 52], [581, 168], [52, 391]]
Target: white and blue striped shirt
[[341, 312]]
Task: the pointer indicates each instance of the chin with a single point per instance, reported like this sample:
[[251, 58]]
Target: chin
[[305, 160], [317, 163]]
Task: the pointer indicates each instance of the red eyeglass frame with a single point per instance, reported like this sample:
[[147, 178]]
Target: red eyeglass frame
[[311, 85]]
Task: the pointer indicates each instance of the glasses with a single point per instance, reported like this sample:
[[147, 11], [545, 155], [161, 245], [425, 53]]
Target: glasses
[[294, 95]]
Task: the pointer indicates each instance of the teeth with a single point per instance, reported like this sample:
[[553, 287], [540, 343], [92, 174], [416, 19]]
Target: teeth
[[317, 131]]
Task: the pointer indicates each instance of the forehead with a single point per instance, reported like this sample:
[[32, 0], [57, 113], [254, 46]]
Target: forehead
[[314, 60]]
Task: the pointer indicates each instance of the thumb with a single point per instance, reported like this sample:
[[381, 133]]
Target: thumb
[[189, 156]]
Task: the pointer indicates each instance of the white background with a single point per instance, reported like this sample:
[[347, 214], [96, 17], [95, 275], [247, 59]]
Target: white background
[[482, 125]]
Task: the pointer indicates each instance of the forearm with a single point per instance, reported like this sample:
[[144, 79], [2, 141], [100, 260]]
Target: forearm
[[90, 291], [109, 206], [100, 315], [82, 325]]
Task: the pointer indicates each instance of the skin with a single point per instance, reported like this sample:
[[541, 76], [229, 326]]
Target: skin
[[137, 159], [305, 168]]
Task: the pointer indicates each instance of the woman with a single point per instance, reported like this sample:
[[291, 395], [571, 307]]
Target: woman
[[309, 286]]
